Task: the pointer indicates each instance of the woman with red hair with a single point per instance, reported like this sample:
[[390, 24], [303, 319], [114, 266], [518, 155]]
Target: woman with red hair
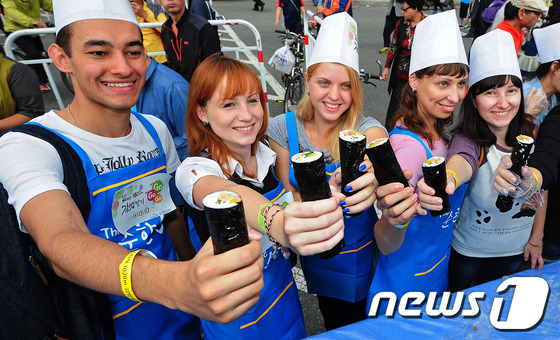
[[226, 123]]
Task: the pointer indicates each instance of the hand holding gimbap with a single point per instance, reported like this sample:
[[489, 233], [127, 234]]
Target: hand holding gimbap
[[436, 177], [311, 178], [519, 157]]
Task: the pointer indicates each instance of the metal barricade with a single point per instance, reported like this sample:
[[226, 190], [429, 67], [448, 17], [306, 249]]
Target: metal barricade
[[309, 39], [8, 46]]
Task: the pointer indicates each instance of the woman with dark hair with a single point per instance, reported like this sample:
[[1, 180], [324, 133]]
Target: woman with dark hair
[[545, 160], [226, 123], [547, 76], [399, 54], [489, 241], [415, 249]]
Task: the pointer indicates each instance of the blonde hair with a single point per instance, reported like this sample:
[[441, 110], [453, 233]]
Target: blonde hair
[[349, 119]]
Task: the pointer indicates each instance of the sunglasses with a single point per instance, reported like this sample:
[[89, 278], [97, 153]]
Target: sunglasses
[[405, 9], [537, 13]]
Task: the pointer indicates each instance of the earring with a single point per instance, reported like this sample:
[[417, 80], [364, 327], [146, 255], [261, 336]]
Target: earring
[[413, 90], [205, 123]]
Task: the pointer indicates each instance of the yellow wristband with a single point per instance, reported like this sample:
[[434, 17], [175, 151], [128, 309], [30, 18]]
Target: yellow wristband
[[536, 179], [125, 269], [454, 176]]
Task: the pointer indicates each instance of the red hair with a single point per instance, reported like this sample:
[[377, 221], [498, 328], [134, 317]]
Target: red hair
[[206, 80]]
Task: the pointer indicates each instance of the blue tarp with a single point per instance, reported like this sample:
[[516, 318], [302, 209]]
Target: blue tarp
[[460, 327]]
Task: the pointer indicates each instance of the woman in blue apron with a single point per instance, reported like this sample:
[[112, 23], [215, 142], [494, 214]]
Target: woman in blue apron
[[226, 122], [333, 103], [415, 252]]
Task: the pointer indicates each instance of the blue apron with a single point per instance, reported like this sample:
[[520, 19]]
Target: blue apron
[[348, 275], [135, 320], [278, 313], [421, 263]]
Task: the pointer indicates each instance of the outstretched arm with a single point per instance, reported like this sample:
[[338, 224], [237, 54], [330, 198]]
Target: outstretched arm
[[208, 286], [306, 227]]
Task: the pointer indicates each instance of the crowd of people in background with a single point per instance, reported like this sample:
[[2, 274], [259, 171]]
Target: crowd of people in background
[[190, 121]]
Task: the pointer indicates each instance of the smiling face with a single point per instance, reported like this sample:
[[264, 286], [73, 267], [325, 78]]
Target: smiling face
[[108, 63], [498, 106], [438, 95], [237, 120], [330, 91]]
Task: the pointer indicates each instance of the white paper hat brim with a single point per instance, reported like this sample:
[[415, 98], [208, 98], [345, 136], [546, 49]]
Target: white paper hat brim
[[548, 42], [70, 11], [493, 54], [337, 42], [437, 40]]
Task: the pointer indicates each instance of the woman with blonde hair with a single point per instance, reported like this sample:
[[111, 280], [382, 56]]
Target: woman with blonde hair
[[333, 103]]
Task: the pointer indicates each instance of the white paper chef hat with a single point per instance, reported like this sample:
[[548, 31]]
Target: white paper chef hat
[[548, 42], [337, 42], [493, 54], [437, 40], [69, 11]]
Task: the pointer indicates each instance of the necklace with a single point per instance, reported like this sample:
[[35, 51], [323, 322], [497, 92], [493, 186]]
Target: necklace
[[70, 113]]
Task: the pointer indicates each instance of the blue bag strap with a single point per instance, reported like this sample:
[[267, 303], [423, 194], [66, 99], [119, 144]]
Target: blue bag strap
[[403, 131], [292, 133]]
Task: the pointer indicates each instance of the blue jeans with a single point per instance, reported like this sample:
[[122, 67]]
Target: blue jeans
[[466, 271], [551, 251]]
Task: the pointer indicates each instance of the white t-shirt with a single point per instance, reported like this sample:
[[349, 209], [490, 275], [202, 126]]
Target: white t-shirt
[[31, 166], [194, 168], [482, 230]]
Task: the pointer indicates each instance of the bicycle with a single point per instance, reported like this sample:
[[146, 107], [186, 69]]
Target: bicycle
[[294, 81], [365, 76]]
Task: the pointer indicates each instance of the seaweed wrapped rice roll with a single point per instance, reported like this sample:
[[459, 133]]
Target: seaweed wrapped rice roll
[[435, 176], [226, 220]]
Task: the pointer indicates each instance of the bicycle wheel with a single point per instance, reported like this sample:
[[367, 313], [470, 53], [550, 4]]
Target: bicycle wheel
[[294, 93]]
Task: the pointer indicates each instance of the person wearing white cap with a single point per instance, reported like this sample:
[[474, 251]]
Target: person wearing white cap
[[415, 249], [226, 123], [542, 91], [489, 242], [333, 103], [129, 161], [520, 14], [546, 156]]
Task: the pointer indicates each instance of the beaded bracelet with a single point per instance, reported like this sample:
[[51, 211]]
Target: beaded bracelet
[[268, 223], [262, 213]]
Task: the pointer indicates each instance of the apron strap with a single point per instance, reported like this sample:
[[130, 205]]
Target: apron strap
[[403, 131]]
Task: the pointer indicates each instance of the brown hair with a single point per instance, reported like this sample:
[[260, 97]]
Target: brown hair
[[349, 119], [408, 114], [206, 79]]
